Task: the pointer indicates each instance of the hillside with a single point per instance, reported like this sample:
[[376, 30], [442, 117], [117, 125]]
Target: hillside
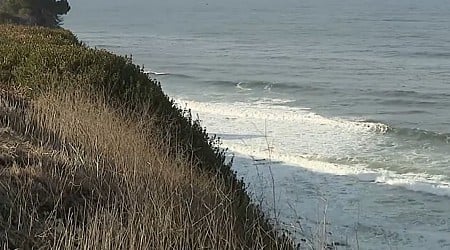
[[93, 155]]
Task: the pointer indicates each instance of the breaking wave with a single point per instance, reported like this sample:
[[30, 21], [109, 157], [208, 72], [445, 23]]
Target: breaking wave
[[295, 134]]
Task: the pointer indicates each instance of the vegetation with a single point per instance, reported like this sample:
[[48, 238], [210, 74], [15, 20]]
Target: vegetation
[[33, 12], [93, 155]]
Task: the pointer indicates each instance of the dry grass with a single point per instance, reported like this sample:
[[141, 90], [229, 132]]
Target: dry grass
[[93, 155], [79, 174]]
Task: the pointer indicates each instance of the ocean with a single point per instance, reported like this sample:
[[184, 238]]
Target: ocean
[[336, 112]]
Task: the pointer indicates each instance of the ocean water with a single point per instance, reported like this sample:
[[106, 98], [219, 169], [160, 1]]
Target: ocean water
[[343, 105]]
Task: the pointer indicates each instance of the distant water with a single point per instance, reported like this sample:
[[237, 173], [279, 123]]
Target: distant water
[[348, 101]]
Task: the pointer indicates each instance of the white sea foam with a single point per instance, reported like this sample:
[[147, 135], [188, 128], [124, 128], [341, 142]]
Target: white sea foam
[[414, 182], [275, 101], [418, 183], [302, 138], [268, 87], [155, 73], [239, 86], [301, 116]]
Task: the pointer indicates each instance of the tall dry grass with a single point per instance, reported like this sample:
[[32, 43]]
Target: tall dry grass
[[93, 155], [83, 174]]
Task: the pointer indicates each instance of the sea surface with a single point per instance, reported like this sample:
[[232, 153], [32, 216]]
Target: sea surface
[[337, 111]]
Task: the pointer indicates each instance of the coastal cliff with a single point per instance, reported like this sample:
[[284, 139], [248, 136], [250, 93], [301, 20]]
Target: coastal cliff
[[94, 155]]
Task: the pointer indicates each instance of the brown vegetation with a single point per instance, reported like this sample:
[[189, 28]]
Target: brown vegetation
[[93, 155]]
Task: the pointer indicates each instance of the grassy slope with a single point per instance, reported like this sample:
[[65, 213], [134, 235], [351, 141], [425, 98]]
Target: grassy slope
[[94, 155]]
